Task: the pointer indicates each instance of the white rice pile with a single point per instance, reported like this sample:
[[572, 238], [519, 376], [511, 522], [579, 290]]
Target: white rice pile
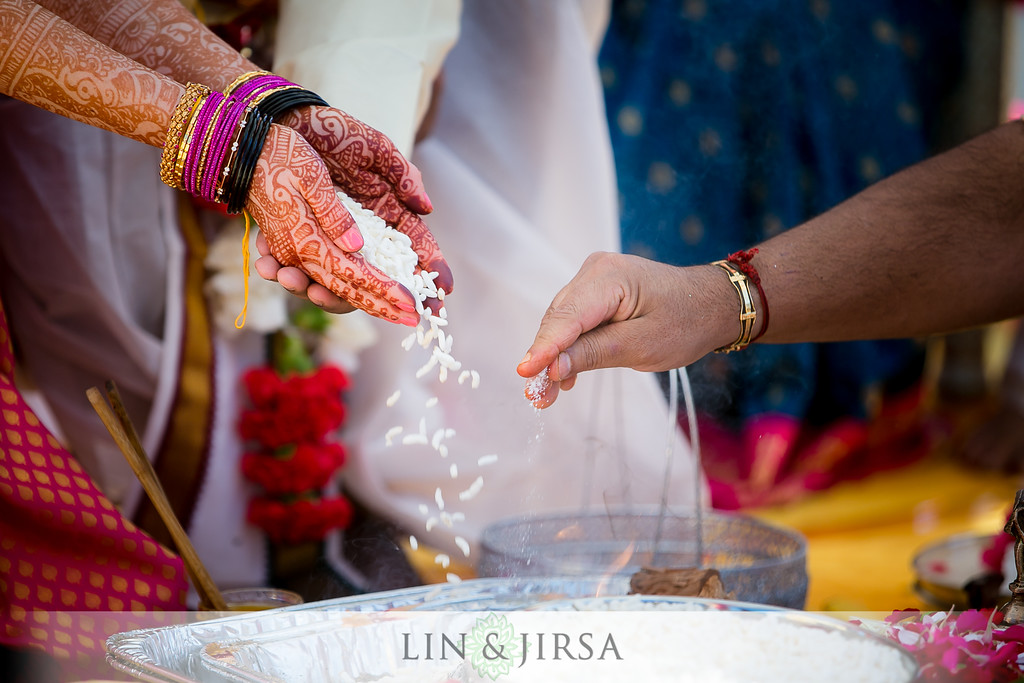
[[390, 251], [723, 647]]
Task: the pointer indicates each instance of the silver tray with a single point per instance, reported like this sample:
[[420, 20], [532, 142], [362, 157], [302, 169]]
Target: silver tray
[[361, 638], [175, 654]]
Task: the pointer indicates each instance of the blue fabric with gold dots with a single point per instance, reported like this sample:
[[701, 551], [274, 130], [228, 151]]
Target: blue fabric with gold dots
[[733, 120]]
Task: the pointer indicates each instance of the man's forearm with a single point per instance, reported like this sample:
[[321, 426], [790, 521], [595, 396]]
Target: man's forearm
[[935, 248]]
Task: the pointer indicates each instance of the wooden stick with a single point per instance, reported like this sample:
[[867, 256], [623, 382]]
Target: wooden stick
[[123, 431]]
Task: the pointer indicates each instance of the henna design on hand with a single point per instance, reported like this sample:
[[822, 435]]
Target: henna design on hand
[[161, 34], [47, 62], [293, 201], [365, 163]]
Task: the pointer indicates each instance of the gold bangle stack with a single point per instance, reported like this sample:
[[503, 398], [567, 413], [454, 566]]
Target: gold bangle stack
[[176, 131], [748, 314]]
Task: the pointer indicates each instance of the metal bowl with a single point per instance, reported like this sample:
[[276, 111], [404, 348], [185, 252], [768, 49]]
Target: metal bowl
[[757, 562]]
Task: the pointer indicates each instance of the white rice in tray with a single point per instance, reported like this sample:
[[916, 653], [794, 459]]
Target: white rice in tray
[[717, 647]]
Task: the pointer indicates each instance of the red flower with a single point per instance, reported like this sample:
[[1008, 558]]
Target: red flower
[[307, 467], [299, 408], [301, 521], [263, 385]]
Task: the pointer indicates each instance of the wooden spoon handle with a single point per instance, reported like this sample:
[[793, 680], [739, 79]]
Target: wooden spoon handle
[[126, 438]]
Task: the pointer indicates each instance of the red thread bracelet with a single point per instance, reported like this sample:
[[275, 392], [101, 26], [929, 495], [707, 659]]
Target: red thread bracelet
[[741, 259]]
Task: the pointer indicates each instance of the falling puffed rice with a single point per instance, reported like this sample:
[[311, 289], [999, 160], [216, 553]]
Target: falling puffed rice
[[475, 377], [447, 520], [453, 470], [414, 440], [390, 435], [536, 386], [393, 398], [453, 578], [435, 441], [427, 367], [463, 545], [442, 559], [413, 543], [463, 376], [431, 523], [409, 341], [473, 489], [431, 402], [485, 460], [438, 498], [443, 450], [423, 509]]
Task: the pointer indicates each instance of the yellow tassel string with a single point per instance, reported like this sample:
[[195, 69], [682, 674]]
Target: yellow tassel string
[[245, 271]]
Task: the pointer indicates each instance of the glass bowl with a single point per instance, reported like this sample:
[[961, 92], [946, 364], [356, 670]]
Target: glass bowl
[[758, 562]]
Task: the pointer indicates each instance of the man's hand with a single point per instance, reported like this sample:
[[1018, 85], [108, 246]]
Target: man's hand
[[626, 311]]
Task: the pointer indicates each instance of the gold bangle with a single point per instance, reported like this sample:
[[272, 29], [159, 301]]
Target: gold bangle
[[266, 93], [248, 75], [176, 129], [186, 141], [748, 314]]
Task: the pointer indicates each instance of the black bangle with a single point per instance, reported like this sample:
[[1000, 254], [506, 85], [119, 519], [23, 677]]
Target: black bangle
[[249, 150], [277, 103]]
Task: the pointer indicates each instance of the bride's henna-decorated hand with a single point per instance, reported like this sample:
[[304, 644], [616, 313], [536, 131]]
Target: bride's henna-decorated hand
[[296, 281], [306, 226], [365, 164]]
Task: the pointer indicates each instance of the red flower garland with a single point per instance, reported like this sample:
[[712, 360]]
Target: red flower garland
[[290, 422]]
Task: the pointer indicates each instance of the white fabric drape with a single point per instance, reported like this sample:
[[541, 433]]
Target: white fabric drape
[[374, 60], [520, 172]]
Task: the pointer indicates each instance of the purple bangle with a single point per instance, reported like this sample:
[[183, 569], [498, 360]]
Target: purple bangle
[[210, 144], [198, 137], [220, 140], [254, 86]]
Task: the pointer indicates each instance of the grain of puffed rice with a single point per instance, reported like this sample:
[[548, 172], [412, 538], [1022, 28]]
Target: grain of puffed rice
[[390, 435], [473, 489]]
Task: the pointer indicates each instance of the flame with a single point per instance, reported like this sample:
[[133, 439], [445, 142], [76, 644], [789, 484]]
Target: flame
[[616, 566]]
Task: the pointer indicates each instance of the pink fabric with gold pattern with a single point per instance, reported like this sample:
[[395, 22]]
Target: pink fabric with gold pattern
[[64, 547]]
